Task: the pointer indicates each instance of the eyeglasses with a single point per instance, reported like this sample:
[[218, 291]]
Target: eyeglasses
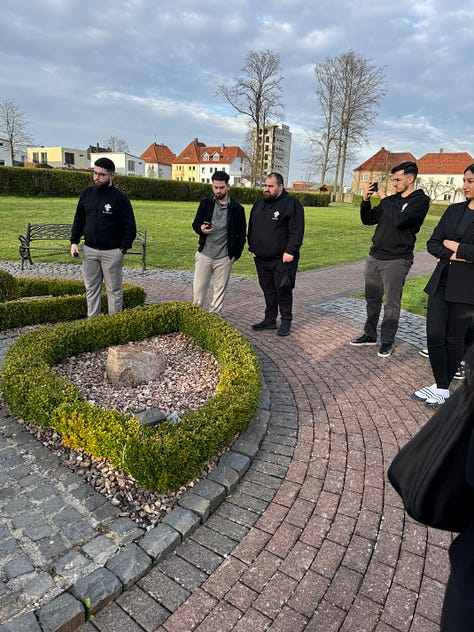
[[99, 174], [399, 179]]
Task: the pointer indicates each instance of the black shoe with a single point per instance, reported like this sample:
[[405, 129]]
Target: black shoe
[[284, 329], [386, 350], [265, 324], [363, 340]]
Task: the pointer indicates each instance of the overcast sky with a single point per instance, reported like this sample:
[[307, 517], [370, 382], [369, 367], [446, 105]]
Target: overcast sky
[[147, 70]]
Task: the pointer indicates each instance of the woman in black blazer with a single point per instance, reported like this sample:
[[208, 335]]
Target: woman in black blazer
[[451, 293], [458, 606]]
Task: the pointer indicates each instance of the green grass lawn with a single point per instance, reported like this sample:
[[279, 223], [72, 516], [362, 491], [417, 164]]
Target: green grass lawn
[[414, 299], [333, 235]]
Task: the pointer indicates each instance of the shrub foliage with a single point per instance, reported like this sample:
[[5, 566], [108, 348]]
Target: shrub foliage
[[55, 300], [161, 458], [57, 183]]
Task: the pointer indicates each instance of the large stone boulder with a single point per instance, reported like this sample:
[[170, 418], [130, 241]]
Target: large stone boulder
[[131, 365]]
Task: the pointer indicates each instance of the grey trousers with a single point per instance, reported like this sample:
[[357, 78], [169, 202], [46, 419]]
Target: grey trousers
[[106, 266], [204, 269], [384, 277]]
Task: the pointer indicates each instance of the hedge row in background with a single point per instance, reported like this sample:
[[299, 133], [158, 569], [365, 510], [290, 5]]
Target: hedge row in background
[[55, 300], [69, 183], [161, 458]]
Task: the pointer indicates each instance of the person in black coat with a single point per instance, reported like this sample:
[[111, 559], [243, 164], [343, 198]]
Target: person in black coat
[[275, 236], [221, 225], [450, 293], [458, 606]]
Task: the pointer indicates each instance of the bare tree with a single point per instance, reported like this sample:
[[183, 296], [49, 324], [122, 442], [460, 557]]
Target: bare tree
[[349, 91], [256, 96], [114, 143], [14, 127]]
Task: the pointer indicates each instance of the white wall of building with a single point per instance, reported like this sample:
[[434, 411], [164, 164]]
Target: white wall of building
[[125, 164]]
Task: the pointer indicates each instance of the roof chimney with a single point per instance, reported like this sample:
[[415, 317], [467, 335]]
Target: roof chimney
[[441, 150]]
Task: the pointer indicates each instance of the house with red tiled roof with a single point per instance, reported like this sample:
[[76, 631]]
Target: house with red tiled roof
[[378, 169], [159, 159], [440, 175], [197, 162]]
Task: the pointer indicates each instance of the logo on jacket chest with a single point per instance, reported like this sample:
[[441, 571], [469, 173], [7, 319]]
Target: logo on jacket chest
[[276, 215], [107, 209]]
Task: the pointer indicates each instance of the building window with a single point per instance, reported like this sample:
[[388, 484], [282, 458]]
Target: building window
[[35, 157], [364, 177], [131, 165], [44, 157], [69, 158]]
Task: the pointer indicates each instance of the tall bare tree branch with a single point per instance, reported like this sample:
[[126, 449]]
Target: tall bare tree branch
[[14, 127], [256, 96]]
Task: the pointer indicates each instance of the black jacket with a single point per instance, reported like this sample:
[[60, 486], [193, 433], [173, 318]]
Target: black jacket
[[104, 216], [236, 225], [398, 221], [275, 227], [455, 224]]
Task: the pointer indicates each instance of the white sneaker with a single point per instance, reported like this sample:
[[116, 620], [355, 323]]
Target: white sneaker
[[424, 393], [436, 400]]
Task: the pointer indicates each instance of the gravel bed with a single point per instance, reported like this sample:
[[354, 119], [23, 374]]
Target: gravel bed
[[188, 382]]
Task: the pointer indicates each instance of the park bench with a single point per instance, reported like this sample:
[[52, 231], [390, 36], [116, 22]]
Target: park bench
[[38, 235]]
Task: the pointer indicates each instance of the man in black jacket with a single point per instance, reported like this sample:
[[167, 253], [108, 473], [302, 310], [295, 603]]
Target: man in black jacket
[[275, 235], [221, 226], [399, 218], [104, 216]]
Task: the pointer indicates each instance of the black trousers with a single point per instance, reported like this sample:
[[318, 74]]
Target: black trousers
[[446, 327], [277, 280], [384, 277]]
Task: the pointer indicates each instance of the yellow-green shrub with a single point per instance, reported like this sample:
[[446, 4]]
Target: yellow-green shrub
[[160, 458]]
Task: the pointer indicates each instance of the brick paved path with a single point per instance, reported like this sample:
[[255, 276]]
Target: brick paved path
[[313, 538]]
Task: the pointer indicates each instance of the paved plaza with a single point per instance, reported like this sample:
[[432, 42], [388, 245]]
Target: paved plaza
[[297, 530]]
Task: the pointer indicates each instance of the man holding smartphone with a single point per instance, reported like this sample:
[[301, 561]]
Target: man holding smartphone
[[399, 218], [221, 225]]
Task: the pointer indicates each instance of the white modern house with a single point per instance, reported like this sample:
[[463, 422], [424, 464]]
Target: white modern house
[[5, 155], [125, 164]]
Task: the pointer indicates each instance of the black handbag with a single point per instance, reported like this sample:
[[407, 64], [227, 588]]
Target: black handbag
[[429, 472]]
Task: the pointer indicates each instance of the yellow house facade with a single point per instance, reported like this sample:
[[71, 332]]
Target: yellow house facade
[[58, 157]]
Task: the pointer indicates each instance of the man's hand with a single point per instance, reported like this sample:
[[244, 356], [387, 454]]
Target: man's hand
[[287, 258], [74, 250]]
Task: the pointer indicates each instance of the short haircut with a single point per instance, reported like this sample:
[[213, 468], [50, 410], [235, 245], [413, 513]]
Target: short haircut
[[221, 176], [278, 177], [470, 168], [408, 167], [105, 163]]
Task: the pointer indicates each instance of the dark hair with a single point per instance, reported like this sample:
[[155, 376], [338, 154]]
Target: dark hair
[[221, 176], [408, 167], [105, 163], [470, 168], [278, 177]]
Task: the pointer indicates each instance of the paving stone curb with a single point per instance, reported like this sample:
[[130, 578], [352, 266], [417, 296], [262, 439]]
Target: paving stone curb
[[138, 551]]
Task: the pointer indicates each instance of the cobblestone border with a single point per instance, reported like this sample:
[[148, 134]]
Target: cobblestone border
[[212, 500]]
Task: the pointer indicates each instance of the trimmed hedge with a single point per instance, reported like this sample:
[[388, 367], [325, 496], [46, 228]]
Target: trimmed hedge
[[66, 183], [60, 300], [162, 458]]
